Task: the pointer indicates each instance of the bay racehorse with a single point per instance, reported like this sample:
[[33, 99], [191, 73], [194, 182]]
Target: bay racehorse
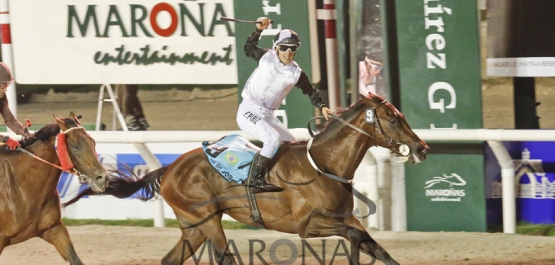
[[312, 205], [29, 201]]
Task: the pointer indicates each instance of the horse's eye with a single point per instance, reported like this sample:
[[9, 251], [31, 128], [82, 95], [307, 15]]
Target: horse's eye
[[75, 147], [392, 120]]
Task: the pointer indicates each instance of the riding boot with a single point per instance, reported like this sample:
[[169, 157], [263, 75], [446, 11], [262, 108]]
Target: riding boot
[[257, 175]]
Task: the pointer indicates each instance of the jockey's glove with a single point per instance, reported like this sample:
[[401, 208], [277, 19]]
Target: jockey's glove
[[11, 143]]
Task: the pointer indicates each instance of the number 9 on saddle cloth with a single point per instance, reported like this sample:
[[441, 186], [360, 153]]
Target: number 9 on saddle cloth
[[231, 156]]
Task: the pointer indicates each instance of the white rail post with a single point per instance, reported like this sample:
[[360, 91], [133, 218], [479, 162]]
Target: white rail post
[[398, 198], [366, 182], [508, 185]]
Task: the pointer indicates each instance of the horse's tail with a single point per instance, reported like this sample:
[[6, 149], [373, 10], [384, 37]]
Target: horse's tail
[[124, 186]]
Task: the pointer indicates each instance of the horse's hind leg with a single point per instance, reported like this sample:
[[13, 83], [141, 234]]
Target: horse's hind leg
[[191, 239], [59, 237], [215, 233], [352, 230]]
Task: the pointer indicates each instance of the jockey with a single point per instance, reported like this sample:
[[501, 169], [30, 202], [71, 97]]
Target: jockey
[[6, 79], [368, 72], [264, 92]]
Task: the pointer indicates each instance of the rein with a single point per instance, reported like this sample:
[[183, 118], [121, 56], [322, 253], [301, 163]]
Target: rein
[[390, 143], [342, 121], [72, 170]]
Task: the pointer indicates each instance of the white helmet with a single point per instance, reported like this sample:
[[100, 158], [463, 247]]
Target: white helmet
[[286, 36]]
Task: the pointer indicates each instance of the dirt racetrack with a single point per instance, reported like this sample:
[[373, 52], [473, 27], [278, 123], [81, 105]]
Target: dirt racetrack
[[112, 245]]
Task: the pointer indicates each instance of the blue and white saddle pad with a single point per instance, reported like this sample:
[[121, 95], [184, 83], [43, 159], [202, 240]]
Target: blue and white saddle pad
[[231, 156]]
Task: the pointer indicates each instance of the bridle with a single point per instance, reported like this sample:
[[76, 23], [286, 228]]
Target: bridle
[[390, 143], [72, 170]]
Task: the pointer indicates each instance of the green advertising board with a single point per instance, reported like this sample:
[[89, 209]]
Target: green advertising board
[[297, 109], [449, 193], [439, 69]]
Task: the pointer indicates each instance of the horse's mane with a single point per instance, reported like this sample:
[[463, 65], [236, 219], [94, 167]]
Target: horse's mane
[[43, 134], [348, 112], [345, 113], [46, 132]]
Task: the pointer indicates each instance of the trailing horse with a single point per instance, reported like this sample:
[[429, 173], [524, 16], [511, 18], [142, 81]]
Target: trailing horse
[[317, 200], [29, 201]]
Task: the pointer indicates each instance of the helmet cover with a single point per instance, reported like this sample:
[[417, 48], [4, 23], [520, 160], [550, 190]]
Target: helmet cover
[[286, 36], [5, 74]]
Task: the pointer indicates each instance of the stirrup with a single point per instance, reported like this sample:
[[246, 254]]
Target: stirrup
[[258, 186], [257, 176]]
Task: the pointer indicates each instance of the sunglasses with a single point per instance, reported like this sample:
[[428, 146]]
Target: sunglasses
[[284, 47], [377, 67]]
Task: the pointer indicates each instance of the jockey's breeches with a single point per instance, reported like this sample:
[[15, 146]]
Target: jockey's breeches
[[262, 124]]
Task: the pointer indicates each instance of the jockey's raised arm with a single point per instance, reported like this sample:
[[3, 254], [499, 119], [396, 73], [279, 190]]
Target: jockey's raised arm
[[11, 121]]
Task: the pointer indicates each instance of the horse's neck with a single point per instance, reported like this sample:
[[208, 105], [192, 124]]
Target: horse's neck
[[340, 151], [45, 150]]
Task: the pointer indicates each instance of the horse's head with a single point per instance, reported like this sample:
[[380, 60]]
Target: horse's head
[[392, 131], [77, 152]]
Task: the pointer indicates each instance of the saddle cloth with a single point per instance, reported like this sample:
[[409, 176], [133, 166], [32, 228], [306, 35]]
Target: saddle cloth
[[231, 156]]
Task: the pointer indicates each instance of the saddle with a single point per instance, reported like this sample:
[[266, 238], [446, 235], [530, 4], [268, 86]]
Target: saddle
[[231, 156]]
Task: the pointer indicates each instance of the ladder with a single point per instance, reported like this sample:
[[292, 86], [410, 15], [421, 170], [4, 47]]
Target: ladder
[[152, 162], [117, 112]]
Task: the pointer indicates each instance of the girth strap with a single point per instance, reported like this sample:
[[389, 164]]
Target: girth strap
[[255, 216]]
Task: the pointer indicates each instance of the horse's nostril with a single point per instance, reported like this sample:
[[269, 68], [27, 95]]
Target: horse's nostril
[[99, 177], [423, 150]]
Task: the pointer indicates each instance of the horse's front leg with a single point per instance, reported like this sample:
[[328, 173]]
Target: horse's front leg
[[350, 229], [353, 230], [59, 237], [3, 243]]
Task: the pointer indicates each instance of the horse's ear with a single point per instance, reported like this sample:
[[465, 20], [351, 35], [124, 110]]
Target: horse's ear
[[61, 123], [75, 117]]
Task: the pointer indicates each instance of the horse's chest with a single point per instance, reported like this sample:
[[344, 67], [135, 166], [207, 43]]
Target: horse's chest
[[337, 203], [334, 198], [28, 220]]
